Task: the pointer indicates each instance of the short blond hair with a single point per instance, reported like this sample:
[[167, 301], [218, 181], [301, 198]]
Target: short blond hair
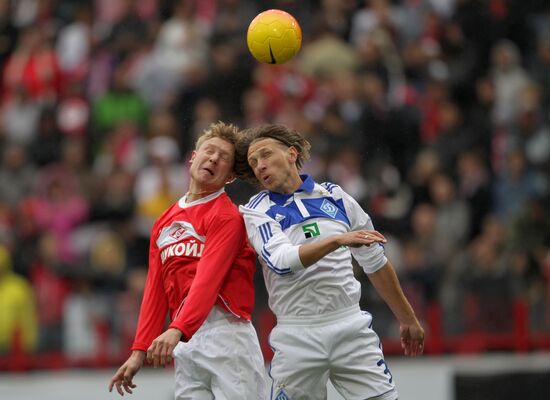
[[286, 136], [227, 132]]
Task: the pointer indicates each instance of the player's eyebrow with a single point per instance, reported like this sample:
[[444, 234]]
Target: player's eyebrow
[[211, 146]]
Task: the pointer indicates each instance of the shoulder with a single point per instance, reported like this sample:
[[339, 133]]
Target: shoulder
[[220, 210], [168, 213], [258, 202], [332, 189], [255, 212], [165, 219], [224, 204]]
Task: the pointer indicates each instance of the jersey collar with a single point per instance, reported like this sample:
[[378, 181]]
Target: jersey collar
[[183, 203], [306, 186]]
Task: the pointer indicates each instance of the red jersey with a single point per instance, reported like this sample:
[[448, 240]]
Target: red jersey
[[198, 256]]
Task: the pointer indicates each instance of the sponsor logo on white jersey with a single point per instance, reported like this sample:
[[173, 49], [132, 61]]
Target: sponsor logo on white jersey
[[311, 230]]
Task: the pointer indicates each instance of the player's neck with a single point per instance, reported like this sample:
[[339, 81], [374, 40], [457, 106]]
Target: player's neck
[[291, 185], [196, 194]]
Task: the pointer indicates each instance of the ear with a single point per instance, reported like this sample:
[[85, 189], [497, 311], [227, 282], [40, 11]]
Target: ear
[[193, 154], [293, 154], [230, 178]]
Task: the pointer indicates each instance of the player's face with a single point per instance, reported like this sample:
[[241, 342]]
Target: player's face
[[274, 165], [212, 164]]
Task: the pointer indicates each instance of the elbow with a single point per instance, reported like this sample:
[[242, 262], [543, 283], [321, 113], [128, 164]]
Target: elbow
[[274, 266]]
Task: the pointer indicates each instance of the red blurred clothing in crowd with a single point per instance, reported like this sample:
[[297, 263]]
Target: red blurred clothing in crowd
[[33, 68]]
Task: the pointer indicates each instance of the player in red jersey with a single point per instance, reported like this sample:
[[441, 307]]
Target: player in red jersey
[[201, 271]]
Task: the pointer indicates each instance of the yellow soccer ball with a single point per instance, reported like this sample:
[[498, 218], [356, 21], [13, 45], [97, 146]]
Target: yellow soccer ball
[[274, 37]]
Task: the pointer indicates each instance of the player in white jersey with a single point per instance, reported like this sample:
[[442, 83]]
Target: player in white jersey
[[305, 235]]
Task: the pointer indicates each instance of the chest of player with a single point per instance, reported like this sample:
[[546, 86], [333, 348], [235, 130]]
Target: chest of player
[[308, 219], [180, 241]]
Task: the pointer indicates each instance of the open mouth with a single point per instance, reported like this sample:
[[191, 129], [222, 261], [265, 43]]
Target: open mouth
[[209, 171]]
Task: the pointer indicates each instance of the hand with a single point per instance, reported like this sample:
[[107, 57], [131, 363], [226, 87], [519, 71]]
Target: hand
[[160, 351], [125, 374], [412, 339], [361, 238]]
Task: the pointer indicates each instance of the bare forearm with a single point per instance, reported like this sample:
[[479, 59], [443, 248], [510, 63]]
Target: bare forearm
[[387, 285], [313, 252], [139, 355]]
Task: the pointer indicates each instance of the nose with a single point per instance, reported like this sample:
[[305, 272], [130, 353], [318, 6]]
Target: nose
[[261, 166], [214, 157]]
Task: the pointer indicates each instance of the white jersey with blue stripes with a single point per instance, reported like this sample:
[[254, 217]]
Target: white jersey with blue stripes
[[278, 224]]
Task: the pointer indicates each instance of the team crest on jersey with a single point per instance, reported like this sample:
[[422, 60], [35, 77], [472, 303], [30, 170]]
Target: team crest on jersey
[[311, 230], [328, 208], [281, 395], [177, 233]]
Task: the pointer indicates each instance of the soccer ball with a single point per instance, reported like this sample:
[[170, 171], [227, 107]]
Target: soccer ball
[[274, 37]]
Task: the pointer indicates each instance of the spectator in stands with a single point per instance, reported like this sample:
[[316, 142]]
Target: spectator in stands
[[123, 147], [179, 49], [515, 186], [453, 136], [120, 104], [531, 133], [74, 44], [509, 78], [60, 208], [419, 277], [452, 218], [18, 319], [474, 187], [17, 175], [157, 185], [541, 69], [21, 117], [33, 66], [51, 286], [8, 31], [46, 146]]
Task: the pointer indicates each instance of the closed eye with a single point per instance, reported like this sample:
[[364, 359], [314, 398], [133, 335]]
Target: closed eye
[[225, 156]]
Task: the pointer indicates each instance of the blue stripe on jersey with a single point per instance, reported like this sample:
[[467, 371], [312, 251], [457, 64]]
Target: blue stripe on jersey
[[322, 207], [254, 201], [265, 232], [279, 271], [262, 233], [329, 186]]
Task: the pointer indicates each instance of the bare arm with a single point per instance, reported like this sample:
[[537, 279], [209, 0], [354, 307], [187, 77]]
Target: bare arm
[[312, 252], [387, 285]]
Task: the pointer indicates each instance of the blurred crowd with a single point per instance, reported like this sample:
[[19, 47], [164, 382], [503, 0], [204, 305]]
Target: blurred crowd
[[433, 114]]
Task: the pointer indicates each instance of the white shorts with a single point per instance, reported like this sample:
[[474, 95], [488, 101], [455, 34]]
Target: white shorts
[[222, 360], [339, 346]]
